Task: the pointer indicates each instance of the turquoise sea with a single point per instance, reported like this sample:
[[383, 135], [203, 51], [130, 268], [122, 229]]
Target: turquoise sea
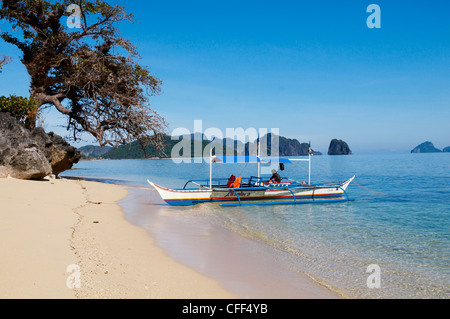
[[400, 221]]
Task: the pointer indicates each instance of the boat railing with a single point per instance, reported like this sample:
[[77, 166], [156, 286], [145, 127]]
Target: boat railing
[[250, 183], [219, 182], [293, 201]]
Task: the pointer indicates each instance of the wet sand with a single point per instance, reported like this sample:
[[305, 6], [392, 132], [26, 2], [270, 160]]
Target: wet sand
[[246, 267]]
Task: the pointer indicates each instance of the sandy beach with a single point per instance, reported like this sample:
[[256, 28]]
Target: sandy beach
[[69, 239]]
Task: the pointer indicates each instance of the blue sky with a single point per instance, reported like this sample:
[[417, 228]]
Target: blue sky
[[313, 69]]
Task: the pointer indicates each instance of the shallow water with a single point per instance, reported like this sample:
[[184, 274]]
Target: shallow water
[[399, 221], [244, 266]]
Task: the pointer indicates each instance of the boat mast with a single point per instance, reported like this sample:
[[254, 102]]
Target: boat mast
[[210, 165], [257, 158], [310, 152], [309, 170]]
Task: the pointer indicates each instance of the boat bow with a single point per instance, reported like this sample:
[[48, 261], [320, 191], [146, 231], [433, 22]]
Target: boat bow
[[345, 185], [182, 197]]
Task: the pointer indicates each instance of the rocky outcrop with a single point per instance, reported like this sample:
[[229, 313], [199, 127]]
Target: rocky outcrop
[[32, 155], [446, 150], [339, 147], [292, 147], [426, 147], [286, 146], [60, 154]]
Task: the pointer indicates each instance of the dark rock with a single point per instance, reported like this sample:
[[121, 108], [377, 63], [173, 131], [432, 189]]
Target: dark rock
[[426, 147], [446, 150], [339, 147], [59, 153], [32, 155]]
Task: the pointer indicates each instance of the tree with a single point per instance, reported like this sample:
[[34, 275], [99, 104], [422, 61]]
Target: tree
[[90, 73], [23, 109], [4, 60]]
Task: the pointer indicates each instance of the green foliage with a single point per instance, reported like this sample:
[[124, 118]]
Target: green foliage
[[25, 110]]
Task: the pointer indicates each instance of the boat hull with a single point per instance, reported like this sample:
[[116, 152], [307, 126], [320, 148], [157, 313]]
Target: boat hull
[[182, 197], [289, 194]]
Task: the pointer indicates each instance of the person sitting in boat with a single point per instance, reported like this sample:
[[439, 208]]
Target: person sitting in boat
[[231, 181], [276, 178]]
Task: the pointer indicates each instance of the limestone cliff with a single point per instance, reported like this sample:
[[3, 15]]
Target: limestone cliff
[[339, 147]]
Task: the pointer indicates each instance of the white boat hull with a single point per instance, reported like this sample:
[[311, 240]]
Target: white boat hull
[[296, 193]]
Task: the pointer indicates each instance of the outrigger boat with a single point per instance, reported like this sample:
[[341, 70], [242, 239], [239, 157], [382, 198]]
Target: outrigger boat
[[254, 190]]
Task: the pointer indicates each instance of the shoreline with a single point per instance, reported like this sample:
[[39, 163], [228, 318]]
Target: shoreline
[[246, 267], [119, 257], [47, 227]]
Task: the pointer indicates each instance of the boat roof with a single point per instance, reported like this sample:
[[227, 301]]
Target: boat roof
[[249, 160]]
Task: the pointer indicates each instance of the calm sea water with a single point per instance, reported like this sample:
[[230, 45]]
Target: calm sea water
[[400, 220]]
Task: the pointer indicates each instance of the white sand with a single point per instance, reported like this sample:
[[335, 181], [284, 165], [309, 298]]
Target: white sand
[[45, 226]]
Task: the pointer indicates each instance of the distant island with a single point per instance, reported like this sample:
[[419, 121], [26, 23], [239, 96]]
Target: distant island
[[339, 147], [94, 151], [287, 147], [426, 147], [446, 150]]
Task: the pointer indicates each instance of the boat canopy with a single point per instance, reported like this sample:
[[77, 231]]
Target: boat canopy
[[249, 160]]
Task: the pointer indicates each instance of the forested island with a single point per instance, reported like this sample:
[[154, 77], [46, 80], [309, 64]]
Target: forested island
[[287, 147]]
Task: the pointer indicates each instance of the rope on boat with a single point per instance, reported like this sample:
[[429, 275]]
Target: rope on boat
[[370, 189], [312, 173], [242, 170]]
